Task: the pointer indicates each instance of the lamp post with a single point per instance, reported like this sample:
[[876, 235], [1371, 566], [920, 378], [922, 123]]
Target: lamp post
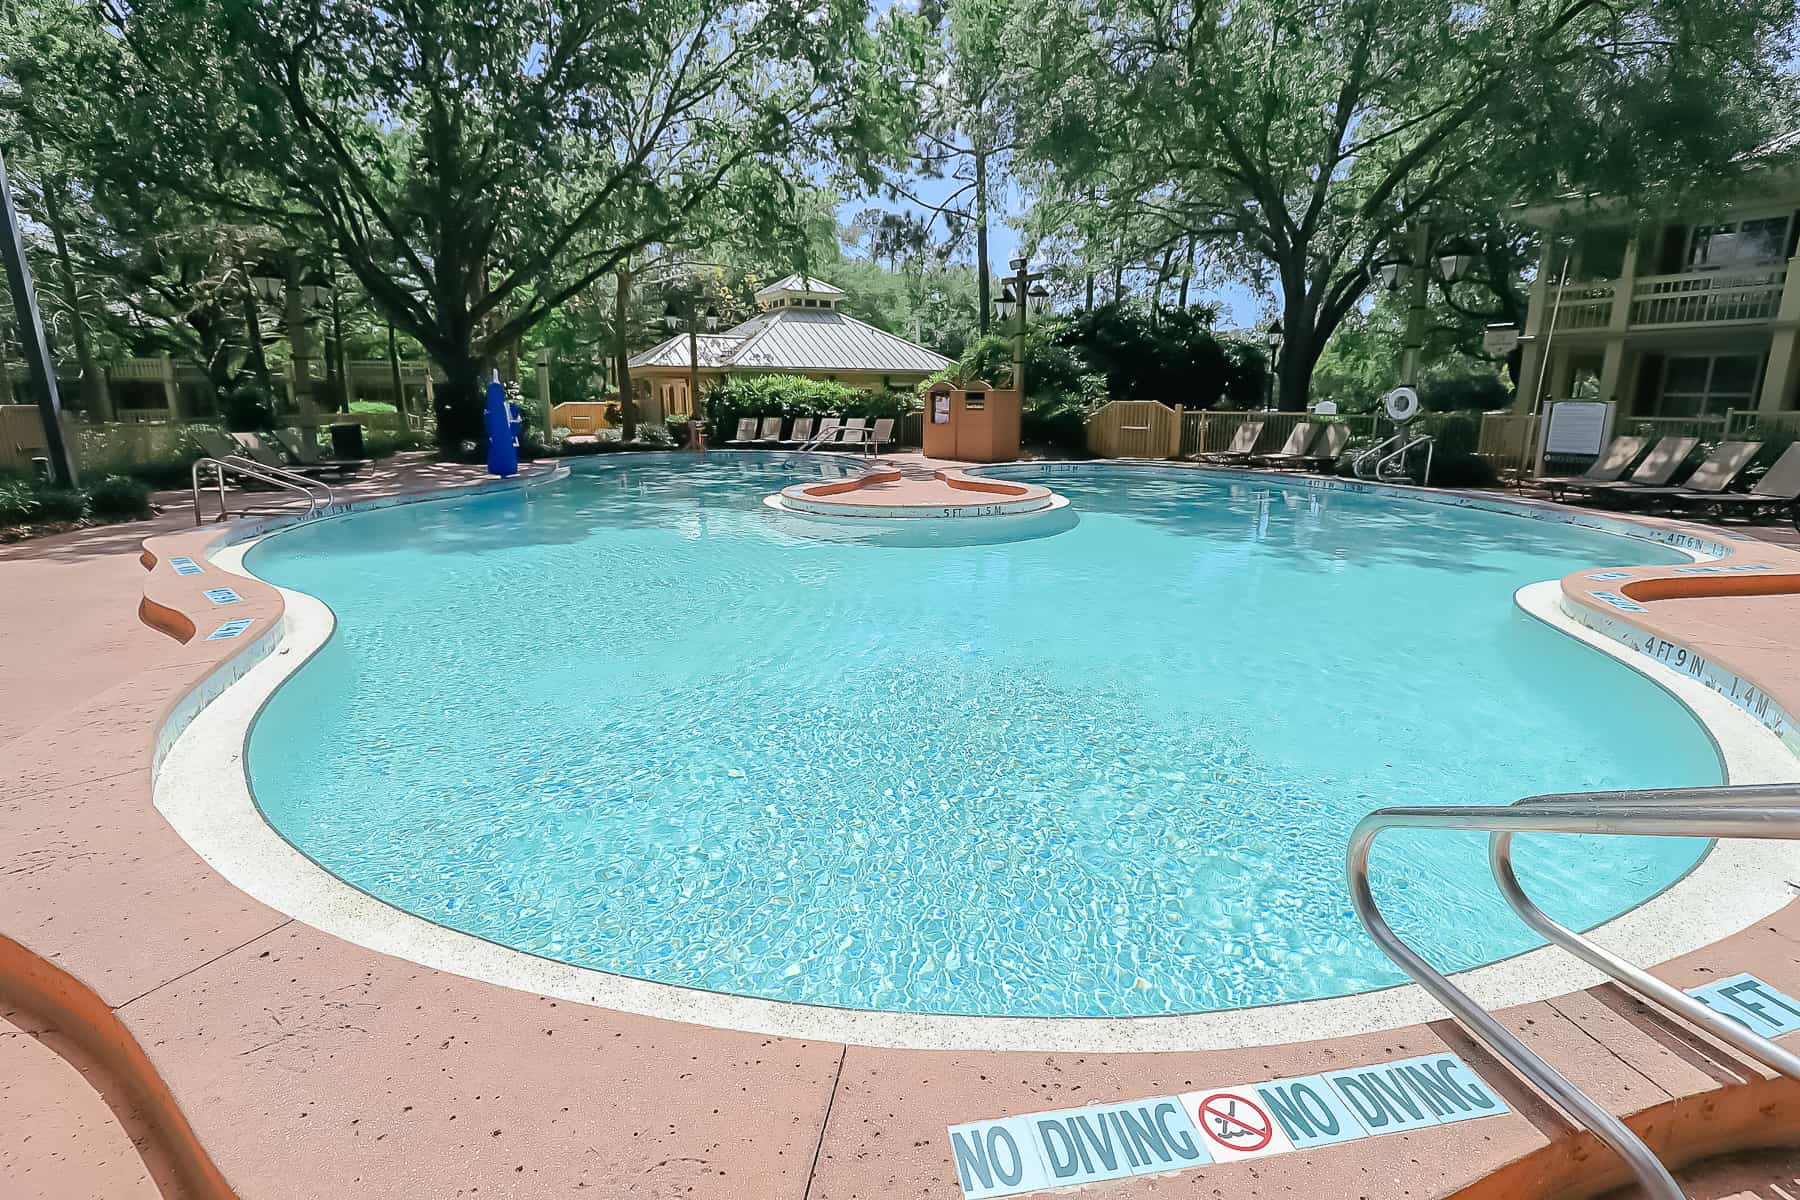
[[1273, 337], [675, 316], [1024, 295], [31, 337], [1409, 269]]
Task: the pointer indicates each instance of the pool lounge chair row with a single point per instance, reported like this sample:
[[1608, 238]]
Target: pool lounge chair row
[[1299, 451], [1707, 487], [830, 432], [275, 449]]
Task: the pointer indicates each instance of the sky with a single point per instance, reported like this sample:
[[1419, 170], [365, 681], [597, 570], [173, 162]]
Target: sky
[[1240, 307]]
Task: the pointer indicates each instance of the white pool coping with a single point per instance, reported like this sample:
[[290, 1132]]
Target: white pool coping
[[202, 789]]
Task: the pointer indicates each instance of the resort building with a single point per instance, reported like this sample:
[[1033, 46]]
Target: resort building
[[1693, 314], [799, 329]]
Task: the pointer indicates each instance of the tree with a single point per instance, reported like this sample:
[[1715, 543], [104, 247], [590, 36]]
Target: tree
[[964, 123], [1301, 136], [473, 163]]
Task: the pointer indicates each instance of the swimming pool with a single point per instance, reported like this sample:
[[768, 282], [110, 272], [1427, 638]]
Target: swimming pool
[[638, 722]]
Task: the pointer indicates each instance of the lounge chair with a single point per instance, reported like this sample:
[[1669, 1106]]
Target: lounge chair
[[1613, 462], [827, 433], [1330, 446], [296, 461], [746, 432], [771, 432], [881, 435], [1718, 472], [1659, 466], [1779, 488], [1299, 438], [1243, 443], [801, 433]]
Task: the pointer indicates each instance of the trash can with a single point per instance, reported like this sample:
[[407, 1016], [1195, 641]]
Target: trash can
[[347, 440]]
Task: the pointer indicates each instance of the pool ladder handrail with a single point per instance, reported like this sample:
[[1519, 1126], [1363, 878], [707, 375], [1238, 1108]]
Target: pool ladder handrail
[[1369, 452], [280, 477], [1741, 811]]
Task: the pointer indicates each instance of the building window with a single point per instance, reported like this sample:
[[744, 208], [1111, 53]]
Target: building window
[[1751, 243], [1706, 385]]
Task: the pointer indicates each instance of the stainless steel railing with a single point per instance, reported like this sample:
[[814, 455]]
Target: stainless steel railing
[[279, 477], [1760, 811]]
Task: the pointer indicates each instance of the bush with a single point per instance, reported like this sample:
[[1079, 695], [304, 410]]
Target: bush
[[18, 502], [1465, 393], [1175, 358], [119, 498], [61, 504], [778, 395], [247, 409]]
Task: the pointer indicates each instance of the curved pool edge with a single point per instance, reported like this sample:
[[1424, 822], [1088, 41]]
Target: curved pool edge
[[203, 791]]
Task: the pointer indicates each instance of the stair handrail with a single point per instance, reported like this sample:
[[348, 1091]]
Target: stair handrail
[[1752, 811], [1363, 455], [275, 476], [1424, 439]]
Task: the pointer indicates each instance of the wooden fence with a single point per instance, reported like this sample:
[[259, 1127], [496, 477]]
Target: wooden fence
[[1135, 429]]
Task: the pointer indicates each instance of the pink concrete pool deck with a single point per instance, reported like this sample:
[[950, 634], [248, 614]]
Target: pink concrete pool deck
[[148, 1007]]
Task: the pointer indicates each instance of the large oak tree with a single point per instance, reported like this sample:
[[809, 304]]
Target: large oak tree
[[473, 163], [1302, 134]]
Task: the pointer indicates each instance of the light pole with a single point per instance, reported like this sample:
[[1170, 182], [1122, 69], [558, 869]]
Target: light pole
[[1273, 338], [1407, 270], [1023, 295], [675, 316], [31, 338]]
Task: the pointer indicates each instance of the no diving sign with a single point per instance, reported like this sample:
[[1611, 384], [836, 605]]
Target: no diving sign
[[1235, 1126], [1170, 1133]]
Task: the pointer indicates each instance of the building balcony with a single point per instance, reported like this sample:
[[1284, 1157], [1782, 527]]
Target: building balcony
[[1710, 299]]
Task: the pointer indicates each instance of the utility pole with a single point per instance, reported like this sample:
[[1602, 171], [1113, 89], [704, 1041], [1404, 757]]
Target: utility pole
[[31, 337]]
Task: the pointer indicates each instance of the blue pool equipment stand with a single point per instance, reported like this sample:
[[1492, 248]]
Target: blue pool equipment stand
[[502, 432]]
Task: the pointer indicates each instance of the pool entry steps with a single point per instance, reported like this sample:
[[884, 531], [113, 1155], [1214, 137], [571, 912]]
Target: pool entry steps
[[1753, 811]]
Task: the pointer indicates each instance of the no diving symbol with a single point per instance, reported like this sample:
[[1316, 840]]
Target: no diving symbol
[[1235, 1123]]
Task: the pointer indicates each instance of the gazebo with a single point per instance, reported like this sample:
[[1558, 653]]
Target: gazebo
[[799, 329]]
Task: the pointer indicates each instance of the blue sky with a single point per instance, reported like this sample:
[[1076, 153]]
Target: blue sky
[[1240, 307]]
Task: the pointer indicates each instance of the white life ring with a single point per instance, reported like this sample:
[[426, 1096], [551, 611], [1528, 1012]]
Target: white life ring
[[1402, 405]]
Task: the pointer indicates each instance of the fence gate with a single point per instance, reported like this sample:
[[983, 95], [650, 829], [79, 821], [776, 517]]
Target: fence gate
[[1134, 429]]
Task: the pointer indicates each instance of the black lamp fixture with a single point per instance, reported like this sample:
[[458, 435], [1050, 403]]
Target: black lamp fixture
[[315, 287], [1037, 299], [1007, 304], [1455, 258], [1274, 335], [712, 319], [671, 317], [268, 279]]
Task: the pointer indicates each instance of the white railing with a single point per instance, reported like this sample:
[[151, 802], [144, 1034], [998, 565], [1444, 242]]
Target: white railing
[[1707, 297], [1582, 305]]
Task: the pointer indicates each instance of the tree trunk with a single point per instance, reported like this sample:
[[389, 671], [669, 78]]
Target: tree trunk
[[94, 397], [399, 380], [982, 298], [1294, 366], [458, 404], [622, 357], [253, 339]]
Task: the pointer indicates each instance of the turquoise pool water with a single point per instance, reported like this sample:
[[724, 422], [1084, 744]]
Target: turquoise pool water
[[637, 721]]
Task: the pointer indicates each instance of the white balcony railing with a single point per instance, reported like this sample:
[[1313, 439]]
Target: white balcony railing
[[1582, 305], [1689, 298], [1708, 297]]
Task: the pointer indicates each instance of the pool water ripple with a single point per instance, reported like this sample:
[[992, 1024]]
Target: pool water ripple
[[639, 722]]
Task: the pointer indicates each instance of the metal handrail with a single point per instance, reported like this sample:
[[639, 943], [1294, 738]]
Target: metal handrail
[[1424, 439], [277, 476], [1363, 455], [1677, 812]]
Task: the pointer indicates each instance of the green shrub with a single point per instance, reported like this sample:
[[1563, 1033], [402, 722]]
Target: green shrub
[[119, 498], [785, 396], [61, 504], [18, 502], [247, 409]]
